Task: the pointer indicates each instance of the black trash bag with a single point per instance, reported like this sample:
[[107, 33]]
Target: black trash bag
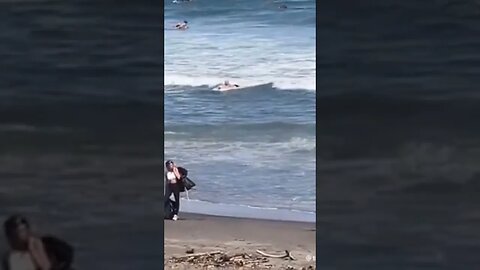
[[169, 209], [59, 252], [185, 183]]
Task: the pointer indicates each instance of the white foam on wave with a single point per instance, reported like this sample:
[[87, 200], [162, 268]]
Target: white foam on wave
[[195, 81], [253, 154], [173, 133], [245, 211], [245, 54]]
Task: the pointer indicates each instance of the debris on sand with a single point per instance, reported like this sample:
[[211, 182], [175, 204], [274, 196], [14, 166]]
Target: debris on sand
[[222, 260]]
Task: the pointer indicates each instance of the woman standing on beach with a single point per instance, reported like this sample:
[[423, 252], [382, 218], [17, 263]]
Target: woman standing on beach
[[172, 176]]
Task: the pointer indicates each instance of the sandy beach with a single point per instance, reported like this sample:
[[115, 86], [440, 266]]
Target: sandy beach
[[197, 233]]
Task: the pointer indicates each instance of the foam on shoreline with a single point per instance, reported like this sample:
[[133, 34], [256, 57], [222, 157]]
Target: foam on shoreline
[[243, 211]]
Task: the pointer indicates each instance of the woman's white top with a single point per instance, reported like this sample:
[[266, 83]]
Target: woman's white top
[[171, 178], [20, 261]]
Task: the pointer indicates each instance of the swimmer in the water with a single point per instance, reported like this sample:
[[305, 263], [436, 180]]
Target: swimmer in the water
[[227, 84], [182, 26], [282, 7]]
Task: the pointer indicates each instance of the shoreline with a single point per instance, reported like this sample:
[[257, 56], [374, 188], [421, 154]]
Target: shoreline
[[245, 212], [201, 233]]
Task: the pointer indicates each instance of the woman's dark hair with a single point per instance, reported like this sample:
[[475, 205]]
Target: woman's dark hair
[[11, 225], [168, 163]]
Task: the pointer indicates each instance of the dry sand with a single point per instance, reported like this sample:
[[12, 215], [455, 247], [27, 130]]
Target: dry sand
[[204, 233]]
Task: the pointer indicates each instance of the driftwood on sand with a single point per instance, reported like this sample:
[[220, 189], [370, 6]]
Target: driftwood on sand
[[286, 255], [198, 255], [219, 259]]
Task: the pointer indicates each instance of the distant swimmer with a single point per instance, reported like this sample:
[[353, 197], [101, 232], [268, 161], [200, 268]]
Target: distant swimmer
[[282, 7], [226, 85], [182, 25]]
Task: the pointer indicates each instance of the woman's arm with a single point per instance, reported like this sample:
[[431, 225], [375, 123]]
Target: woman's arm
[[38, 253], [177, 173]]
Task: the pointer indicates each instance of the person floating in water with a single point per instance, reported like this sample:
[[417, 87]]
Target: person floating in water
[[227, 84], [182, 25]]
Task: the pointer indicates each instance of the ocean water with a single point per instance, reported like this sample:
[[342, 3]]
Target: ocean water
[[79, 80], [255, 147], [399, 144]]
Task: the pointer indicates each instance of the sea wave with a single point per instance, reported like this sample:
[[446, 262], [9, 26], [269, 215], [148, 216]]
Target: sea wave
[[247, 211], [265, 128], [252, 154], [278, 83], [233, 133], [391, 104], [19, 127]]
